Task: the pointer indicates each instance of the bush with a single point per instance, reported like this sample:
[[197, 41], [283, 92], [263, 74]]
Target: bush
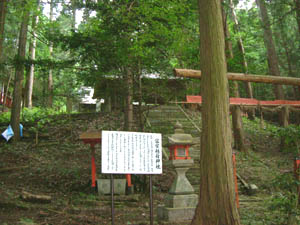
[[30, 115], [291, 137]]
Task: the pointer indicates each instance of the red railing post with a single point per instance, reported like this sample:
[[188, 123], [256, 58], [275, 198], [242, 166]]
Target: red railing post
[[235, 180], [297, 176]]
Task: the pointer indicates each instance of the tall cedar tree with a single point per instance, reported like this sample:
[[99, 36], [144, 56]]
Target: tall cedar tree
[[3, 6], [272, 56], [50, 75], [237, 123], [217, 204], [243, 54], [297, 6], [19, 75], [32, 47]]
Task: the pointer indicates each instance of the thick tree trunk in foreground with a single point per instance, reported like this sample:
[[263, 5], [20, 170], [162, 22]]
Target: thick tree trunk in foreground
[[271, 53], [217, 204], [32, 47], [19, 77], [3, 6]]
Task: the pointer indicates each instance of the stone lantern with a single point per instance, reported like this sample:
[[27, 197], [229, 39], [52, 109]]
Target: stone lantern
[[179, 144], [181, 201]]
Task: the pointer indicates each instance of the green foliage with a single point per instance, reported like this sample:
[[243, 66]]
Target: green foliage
[[284, 201], [26, 221], [37, 114], [5, 117], [31, 115], [253, 126], [291, 137]]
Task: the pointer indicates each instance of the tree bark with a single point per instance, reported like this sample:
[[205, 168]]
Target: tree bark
[[3, 7], [140, 96], [73, 14], [237, 124], [268, 79], [129, 98], [32, 47], [271, 54], [217, 204], [69, 104], [228, 43], [7, 89], [19, 75], [50, 76], [289, 62]]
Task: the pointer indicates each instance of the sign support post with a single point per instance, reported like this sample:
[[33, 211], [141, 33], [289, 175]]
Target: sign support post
[[112, 190], [151, 200]]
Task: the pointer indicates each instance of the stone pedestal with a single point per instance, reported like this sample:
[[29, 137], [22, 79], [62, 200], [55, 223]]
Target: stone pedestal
[[104, 187], [181, 202]]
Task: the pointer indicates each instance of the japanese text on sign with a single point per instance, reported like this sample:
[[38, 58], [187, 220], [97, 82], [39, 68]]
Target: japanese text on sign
[[131, 152]]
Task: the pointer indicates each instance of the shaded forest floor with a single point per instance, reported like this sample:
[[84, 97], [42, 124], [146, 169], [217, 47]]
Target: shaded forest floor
[[59, 166]]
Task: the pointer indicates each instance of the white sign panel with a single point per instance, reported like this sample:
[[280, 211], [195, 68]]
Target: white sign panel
[[131, 153]]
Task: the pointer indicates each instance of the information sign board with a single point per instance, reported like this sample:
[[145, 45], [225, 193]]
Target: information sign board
[[131, 153]]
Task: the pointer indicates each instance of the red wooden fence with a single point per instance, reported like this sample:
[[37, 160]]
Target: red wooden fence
[[246, 101]]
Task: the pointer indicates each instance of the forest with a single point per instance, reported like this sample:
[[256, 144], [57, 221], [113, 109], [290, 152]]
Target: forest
[[71, 66]]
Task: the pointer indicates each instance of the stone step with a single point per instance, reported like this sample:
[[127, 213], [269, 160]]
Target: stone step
[[170, 121], [158, 113]]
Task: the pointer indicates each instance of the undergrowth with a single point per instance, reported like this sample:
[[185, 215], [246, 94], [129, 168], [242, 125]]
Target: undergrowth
[[269, 164], [30, 115]]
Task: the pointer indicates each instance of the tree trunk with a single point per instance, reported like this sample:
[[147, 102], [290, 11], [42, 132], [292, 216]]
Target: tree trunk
[[129, 98], [228, 43], [288, 58], [7, 89], [69, 104], [297, 6], [50, 76], [248, 86], [3, 6], [141, 124], [73, 14], [32, 47], [19, 76], [217, 204], [271, 53], [237, 124]]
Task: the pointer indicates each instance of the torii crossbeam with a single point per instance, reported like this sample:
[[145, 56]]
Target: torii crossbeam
[[243, 77]]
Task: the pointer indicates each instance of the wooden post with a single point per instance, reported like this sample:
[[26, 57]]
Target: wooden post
[[297, 176], [235, 181]]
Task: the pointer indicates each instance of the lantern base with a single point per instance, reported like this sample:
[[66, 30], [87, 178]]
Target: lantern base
[[181, 201], [175, 214]]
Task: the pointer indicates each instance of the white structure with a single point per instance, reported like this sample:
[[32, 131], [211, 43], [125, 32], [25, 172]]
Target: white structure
[[86, 95]]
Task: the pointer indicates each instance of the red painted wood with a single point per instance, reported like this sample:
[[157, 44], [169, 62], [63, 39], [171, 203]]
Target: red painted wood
[[246, 101], [235, 181], [128, 178]]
